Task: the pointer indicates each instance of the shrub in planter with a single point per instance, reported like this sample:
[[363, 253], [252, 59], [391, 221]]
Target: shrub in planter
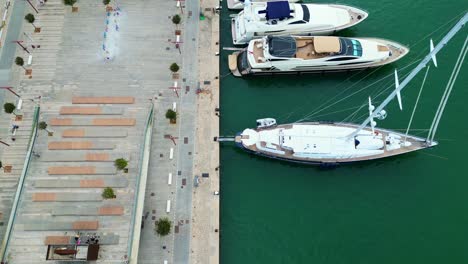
[[69, 2], [108, 193], [9, 108], [176, 19], [20, 62], [163, 226], [174, 67], [171, 115], [121, 163]]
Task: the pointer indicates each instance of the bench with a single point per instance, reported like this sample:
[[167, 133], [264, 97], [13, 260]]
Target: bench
[[85, 225], [103, 100], [111, 210]]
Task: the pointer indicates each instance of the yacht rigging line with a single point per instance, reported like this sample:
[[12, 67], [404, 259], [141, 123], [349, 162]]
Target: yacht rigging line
[[437, 29], [416, 104], [320, 109], [414, 72], [288, 115], [448, 90]]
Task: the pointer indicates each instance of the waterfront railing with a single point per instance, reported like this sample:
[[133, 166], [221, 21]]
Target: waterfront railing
[[140, 188], [19, 189]]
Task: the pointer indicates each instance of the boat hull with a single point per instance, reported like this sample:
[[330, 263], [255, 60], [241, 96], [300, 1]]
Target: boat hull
[[398, 52], [334, 162], [357, 16], [238, 5]]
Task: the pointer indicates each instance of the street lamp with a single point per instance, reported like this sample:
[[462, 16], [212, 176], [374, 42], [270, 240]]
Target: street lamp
[[32, 6], [19, 43], [9, 89]]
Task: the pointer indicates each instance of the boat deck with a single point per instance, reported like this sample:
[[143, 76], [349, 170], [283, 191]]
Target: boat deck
[[289, 155]]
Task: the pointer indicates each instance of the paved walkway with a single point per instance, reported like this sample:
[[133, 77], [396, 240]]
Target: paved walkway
[[71, 63], [179, 191], [205, 232]]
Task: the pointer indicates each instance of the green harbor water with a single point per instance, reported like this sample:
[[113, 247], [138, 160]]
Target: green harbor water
[[407, 209]]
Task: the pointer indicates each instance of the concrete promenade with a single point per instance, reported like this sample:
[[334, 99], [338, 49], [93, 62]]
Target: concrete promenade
[[205, 205], [71, 63]]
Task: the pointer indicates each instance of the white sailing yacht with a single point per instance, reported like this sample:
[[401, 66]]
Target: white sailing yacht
[[283, 18], [329, 143], [239, 4], [283, 54]]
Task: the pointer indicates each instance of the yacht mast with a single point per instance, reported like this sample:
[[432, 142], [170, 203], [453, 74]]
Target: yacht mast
[[414, 72]]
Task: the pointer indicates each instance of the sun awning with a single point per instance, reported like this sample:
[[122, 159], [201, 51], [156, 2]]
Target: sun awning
[[327, 44], [277, 10]]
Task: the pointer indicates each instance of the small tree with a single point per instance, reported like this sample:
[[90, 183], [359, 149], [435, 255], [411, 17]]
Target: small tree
[[108, 193], [174, 67], [43, 126], [30, 18], [176, 20], [105, 2], [171, 115], [69, 2], [20, 62], [163, 226], [121, 163], [9, 108]]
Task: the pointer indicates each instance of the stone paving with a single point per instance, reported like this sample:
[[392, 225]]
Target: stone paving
[[205, 211], [159, 191], [71, 63]]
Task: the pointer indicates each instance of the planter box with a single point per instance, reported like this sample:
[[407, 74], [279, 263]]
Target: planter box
[[74, 9], [37, 30], [7, 168]]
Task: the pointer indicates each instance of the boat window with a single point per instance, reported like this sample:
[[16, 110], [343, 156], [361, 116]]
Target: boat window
[[306, 12], [350, 47], [242, 61], [283, 46], [305, 17], [342, 59], [358, 62]]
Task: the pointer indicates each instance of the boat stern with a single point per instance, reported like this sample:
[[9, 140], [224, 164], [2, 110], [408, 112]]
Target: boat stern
[[232, 60], [234, 4], [237, 26], [247, 139]]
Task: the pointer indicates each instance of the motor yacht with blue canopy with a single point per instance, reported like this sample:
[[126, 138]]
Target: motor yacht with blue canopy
[[284, 18]]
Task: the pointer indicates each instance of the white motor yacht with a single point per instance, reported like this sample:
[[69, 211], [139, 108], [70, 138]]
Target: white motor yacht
[[283, 54], [239, 4], [260, 19]]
